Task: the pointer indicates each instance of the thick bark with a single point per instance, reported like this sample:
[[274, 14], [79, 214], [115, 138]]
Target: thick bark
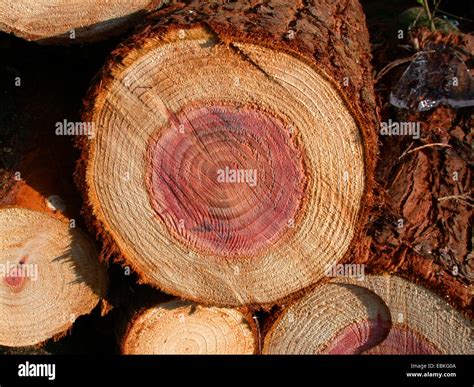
[[424, 229]]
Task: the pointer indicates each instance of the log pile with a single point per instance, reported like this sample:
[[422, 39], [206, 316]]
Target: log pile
[[50, 276], [229, 168]]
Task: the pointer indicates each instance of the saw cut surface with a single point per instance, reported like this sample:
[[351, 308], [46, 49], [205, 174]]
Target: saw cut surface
[[49, 276], [44, 19], [184, 328], [227, 176], [380, 315]]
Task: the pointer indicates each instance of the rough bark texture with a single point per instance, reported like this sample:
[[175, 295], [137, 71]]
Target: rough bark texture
[[435, 243], [423, 229], [331, 36]]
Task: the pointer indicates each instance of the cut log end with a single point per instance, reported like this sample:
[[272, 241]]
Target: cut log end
[[50, 276], [242, 162], [380, 315], [179, 327], [62, 21]]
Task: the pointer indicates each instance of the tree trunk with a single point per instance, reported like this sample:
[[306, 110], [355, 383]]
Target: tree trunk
[[378, 315], [184, 328], [234, 149], [68, 21]]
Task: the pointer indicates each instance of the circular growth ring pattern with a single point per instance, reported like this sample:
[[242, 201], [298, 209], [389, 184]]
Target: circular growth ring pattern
[[183, 328], [379, 315], [152, 163], [227, 181], [50, 275]]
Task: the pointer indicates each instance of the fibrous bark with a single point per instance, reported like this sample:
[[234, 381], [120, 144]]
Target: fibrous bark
[[180, 327], [378, 315], [424, 229], [234, 148]]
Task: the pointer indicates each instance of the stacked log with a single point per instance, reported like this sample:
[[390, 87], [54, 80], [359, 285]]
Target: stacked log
[[379, 315], [184, 328], [50, 276], [234, 149], [50, 21]]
